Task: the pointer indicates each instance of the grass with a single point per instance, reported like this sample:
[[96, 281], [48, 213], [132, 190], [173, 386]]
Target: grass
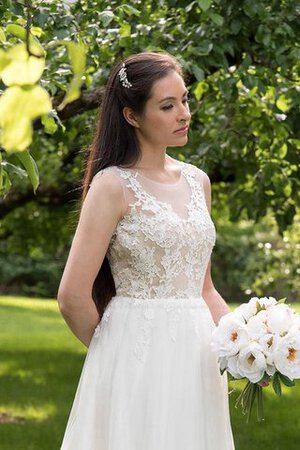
[[40, 365]]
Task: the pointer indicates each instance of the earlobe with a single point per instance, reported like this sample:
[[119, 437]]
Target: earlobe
[[130, 117]]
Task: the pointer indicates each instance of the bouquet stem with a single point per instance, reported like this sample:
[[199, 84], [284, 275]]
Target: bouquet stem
[[246, 400]]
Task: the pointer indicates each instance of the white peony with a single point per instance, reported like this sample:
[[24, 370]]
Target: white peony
[[287, 355], [257, 326], [268, 344], [296, 320], [267, 301], [251, 362], [246, 310], [232, 367], [229, 336], [279, 318]]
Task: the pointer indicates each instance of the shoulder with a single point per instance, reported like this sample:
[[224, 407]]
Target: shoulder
[[106, 188], [204, 180], [200, 174], [106, 178]]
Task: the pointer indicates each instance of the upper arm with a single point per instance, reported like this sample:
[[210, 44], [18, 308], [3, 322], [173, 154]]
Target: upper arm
[[102, 209], [208, 283], [207, 189]]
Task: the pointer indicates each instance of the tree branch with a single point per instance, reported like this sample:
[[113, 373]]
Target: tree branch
[[59, 196]]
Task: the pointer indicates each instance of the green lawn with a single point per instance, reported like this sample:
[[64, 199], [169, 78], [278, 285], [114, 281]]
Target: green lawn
[[40, 365]]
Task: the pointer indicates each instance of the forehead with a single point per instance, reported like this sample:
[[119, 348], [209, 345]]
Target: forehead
[[172, 85]]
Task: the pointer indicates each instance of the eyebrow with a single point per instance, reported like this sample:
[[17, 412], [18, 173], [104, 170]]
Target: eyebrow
[[173, 98]]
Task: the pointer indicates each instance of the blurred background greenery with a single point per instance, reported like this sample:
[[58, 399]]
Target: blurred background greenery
[[242, 70]]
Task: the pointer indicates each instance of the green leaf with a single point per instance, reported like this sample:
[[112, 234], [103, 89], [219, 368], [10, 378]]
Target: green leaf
[[16, 170], [20, 32], [49, 123], [5, 182], [125, 30], [130, 10], [31, 168], [204, 48], [4, 61], [106, 17], [204, 4], [18, 107], [287, 381], [216, 18], [283, 103], [201, 88], [282, 300], [2, 35], [276, 384], [22, 69], [198, 72], [77, 57]]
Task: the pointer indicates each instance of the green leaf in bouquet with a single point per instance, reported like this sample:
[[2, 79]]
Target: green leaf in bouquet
[[282, 300], [286, 380], [259, 307], [276, 384]]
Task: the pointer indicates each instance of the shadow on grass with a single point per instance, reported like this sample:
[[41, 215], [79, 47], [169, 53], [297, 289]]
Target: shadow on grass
[[39, 386]]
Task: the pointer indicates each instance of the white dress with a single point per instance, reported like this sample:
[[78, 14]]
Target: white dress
[[150, 380]]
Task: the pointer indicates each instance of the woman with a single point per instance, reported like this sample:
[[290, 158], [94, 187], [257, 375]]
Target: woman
[[149, 380]]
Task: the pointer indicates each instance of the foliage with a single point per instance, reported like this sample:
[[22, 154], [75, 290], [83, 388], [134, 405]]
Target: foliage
[[242, 69], [254, 260]]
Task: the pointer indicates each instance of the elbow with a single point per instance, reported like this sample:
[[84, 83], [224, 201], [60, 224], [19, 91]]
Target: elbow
[[70, 301], [63, 300]]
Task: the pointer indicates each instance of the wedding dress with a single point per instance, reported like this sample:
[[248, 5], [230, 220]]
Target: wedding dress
[[150, 380]]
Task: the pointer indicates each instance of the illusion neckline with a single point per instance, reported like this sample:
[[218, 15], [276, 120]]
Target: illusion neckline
[[136, 172]]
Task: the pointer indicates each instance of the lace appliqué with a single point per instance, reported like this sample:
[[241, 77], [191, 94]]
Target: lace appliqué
[[156, 253]]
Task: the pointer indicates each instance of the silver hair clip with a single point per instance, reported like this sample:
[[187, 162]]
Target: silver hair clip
[[123, 77]]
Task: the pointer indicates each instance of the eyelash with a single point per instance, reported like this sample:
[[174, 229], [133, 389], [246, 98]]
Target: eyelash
[[166, 108]]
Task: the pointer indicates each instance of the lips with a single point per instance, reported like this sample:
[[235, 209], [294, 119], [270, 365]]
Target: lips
[[182, 130]]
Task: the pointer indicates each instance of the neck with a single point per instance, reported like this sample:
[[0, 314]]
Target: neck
[[152, 158]]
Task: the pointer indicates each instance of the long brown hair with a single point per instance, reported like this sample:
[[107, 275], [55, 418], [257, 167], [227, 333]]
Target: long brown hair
[[115, 142]]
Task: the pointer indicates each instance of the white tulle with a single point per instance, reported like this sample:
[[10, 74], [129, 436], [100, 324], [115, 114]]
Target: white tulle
[[150, 380]]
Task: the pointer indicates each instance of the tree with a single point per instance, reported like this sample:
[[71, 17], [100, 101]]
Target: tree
[[242, 66]]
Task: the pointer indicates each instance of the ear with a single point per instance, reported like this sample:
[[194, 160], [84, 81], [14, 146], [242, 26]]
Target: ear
[[130, 117]]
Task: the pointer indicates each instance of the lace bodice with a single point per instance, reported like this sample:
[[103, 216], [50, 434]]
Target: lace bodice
[[162, 245]]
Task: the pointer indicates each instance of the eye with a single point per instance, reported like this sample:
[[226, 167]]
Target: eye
[[186, 100], [165, 108]]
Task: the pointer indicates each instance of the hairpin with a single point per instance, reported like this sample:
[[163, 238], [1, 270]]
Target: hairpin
[[123, 77]]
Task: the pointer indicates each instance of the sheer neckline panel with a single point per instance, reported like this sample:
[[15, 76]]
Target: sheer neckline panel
[[160, 183]]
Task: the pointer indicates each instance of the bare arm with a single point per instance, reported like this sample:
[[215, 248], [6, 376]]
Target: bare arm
[[217, 305], [103, 207]]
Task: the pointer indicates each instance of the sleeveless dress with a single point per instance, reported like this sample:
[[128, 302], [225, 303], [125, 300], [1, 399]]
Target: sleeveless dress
[[150, 380]]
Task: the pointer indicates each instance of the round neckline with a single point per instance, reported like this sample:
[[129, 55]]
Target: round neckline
[[159, 182]]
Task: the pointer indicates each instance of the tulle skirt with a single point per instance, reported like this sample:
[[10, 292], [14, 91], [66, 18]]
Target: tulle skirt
[[150, 381]]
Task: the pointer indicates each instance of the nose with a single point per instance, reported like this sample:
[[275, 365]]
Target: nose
[[184, 114]]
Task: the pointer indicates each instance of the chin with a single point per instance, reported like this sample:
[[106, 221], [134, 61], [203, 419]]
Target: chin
[[180, 142]]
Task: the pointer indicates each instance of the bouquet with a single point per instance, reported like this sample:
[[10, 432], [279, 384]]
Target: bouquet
[[259, 341]]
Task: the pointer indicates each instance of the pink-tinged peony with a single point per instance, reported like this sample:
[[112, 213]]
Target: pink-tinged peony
[[279, 318]]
